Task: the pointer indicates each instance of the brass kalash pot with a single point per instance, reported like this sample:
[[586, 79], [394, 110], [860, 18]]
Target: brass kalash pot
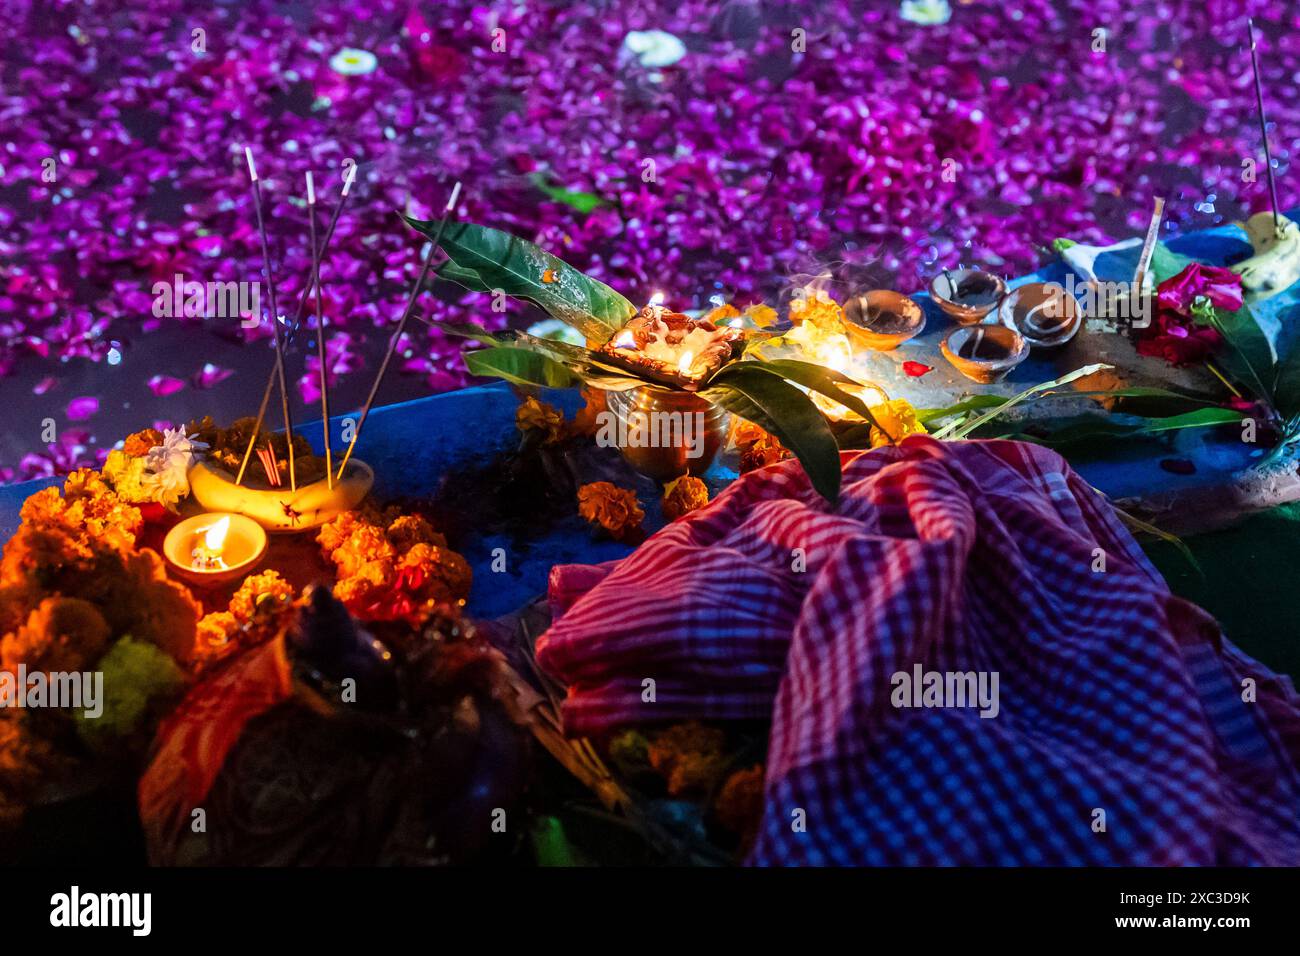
[[666, 433]]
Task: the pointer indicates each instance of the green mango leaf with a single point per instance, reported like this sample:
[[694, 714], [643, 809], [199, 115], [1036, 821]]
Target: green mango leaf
[[461, 276], [475, 333], [1246, 356], [519, 268], [521, 366], [1165, 263], [583, 202], [773, 404], [980, 402], [817, 378], [1286, 388]]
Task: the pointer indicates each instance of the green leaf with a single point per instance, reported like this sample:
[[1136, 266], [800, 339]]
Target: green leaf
[[461, 276], [519, 365], [550, 844], [475, 333], [973, 404], [773, 404], [960, 429], [1092, 427], [1247, 356], [583, 202], [1286, 390], [1165, 263], [818, 378], [518, 268]]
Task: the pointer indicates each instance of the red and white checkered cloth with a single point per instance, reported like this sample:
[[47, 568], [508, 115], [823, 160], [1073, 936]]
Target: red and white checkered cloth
[[1122, 735]]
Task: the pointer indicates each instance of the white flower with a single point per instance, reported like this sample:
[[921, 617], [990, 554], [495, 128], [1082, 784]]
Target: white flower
[[353, 62], [167, 466], [654, 48], [928, 13]]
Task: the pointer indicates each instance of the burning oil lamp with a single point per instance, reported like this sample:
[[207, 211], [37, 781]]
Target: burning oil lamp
[[212, 548]]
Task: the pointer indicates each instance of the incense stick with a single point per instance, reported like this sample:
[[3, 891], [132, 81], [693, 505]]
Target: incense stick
[[275, 314], [401, 326], [1263, 123], [320, 332], [302, 307]]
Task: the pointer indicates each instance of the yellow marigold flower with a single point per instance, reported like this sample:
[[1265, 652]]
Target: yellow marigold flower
[[537, 416], [214, 636], [262, 592], [897, 417], [406, 531], [818, 309], [443, 574], [612, 508], [684, 495], [125, 474]]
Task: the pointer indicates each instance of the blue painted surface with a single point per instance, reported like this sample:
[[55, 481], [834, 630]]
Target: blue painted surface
[[413, 444]]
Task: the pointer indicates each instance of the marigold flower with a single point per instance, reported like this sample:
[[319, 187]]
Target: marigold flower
[[612, 508], [684, 495], [139, 444], [406, 531], [61, 634], [587, 421], [898, 418], [739, 806], [689, 757], [261, 596], [535, 416]]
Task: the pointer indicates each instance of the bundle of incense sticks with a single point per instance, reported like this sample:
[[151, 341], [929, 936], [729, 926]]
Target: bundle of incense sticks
[[269, 464], [282, 342]]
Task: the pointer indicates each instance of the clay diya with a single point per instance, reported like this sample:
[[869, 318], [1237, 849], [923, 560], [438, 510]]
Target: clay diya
[[212, 548], [967, 295], [882, 319], [984, 353], [671, 347], [1043, 312]]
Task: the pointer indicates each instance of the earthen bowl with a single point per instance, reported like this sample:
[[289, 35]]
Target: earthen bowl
[[882, 319], [967, 296], [1043, 312], [984, 353]]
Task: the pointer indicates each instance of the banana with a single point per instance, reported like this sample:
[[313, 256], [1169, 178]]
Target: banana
[[280, 509]]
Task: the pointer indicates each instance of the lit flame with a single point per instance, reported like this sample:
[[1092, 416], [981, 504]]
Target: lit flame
[[684, 366], [214, 536], [624, 340], [657, 299]]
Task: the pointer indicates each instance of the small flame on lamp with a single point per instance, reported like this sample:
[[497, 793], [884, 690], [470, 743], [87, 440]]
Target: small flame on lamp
[[214, 536], [684, 366], [657, 299], [207, 556], [624, 340]]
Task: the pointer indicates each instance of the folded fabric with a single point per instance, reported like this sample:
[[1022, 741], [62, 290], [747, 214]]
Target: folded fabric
[[1123, 728]]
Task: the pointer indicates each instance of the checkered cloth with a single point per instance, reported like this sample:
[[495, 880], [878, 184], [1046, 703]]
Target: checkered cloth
[[1128, 730]]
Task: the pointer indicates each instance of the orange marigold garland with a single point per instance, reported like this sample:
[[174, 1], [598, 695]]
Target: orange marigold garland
[[393, 567], [614, 509], [684, 495]]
